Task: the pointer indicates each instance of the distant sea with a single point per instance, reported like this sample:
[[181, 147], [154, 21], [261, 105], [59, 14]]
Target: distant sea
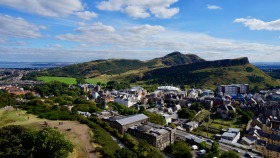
[[33, 65]]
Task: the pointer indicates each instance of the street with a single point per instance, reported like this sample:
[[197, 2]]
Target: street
[[182, 135]]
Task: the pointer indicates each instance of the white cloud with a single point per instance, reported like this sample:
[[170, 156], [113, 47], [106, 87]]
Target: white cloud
[[86, 15], [213, 7], [50, 8], [136, 12], [95, 28], [256, 24], [141, 9], [156, 38], [18, 27], [146, 29]]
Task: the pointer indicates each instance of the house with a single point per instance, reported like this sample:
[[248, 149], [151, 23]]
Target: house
[[191, 125], [225, 110], [168, 118], [232, 135], [126, 99]]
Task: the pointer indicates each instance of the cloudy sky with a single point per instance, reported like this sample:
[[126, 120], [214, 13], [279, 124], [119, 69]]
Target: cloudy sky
[[85, 30]]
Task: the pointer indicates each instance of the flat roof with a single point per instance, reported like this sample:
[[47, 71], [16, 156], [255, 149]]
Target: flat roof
[[228, 134], [131, 119], [234, 130]]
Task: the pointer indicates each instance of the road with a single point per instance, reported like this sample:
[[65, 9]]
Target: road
[[224, 147]]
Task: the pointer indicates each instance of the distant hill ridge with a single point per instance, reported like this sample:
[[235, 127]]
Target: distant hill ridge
[[117, 66], [174, 68]]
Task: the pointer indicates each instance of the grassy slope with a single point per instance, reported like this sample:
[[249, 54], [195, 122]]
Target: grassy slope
[[236, 74], [20, 117], [67, 80]]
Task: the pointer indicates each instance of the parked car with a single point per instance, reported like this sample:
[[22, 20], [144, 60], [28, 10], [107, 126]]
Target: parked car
[[201, 152], [236, 150], [248, 155], [194, 147], [210, 141]]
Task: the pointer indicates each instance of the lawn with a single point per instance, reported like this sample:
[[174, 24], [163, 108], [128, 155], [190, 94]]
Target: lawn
[[218, 124], [201, 115], [102, 79], [67, 80]]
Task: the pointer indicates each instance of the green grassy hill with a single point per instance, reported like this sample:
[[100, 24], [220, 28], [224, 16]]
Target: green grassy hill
[[116, 66], [174, 68], [209, 74]]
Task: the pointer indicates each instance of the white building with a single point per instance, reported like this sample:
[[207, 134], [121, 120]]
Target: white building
[[126, 100], [232, 135]]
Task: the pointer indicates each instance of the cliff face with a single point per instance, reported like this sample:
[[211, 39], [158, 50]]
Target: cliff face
[[200, 65]]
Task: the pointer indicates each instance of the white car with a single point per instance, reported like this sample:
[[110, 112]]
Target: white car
[[194, 147], [202, 152]]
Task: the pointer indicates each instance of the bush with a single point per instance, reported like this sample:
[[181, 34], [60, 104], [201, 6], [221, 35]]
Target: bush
[[249, 69]]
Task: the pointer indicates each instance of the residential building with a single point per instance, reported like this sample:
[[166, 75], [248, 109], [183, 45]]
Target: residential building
[[191, 126], [233, 90], [158, 137], [232, 135]]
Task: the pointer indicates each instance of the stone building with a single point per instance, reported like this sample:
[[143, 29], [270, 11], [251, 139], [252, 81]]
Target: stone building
[[123, 123], [158, 137]]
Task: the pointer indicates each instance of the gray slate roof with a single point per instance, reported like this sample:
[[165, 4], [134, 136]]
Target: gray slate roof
[[132, 119]]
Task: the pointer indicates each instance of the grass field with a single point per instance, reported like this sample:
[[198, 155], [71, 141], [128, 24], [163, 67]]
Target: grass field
[[102, 79], [67, 80], [199, 117], [80, 134]]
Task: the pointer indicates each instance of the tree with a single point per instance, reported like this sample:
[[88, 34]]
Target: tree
[[181, 150], [17, 141], [12, 141], [230, 154], [186, 113], [142, 109], [49, 143], [196, 106], [145, 150], [215, 149], [124, 153], [204, 146]]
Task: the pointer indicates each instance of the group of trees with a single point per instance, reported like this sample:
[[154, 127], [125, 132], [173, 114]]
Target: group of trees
[[186, 113], [196, 106], [180, 150], [117, 85], [18, 141], [245, 115], [123, 110], [6, 99], [57, 88]]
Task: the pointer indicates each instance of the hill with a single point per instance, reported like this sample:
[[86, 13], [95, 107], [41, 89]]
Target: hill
[[117, 66], [210, 74], [174, 68]]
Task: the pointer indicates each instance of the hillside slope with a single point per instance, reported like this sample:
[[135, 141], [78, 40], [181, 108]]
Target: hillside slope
[[117, 66], [209, 74]]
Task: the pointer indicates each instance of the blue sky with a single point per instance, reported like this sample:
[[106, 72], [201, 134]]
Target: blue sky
[[85, 30]]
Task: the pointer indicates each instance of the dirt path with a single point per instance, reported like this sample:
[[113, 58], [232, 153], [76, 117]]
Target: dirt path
[[79, 134]]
